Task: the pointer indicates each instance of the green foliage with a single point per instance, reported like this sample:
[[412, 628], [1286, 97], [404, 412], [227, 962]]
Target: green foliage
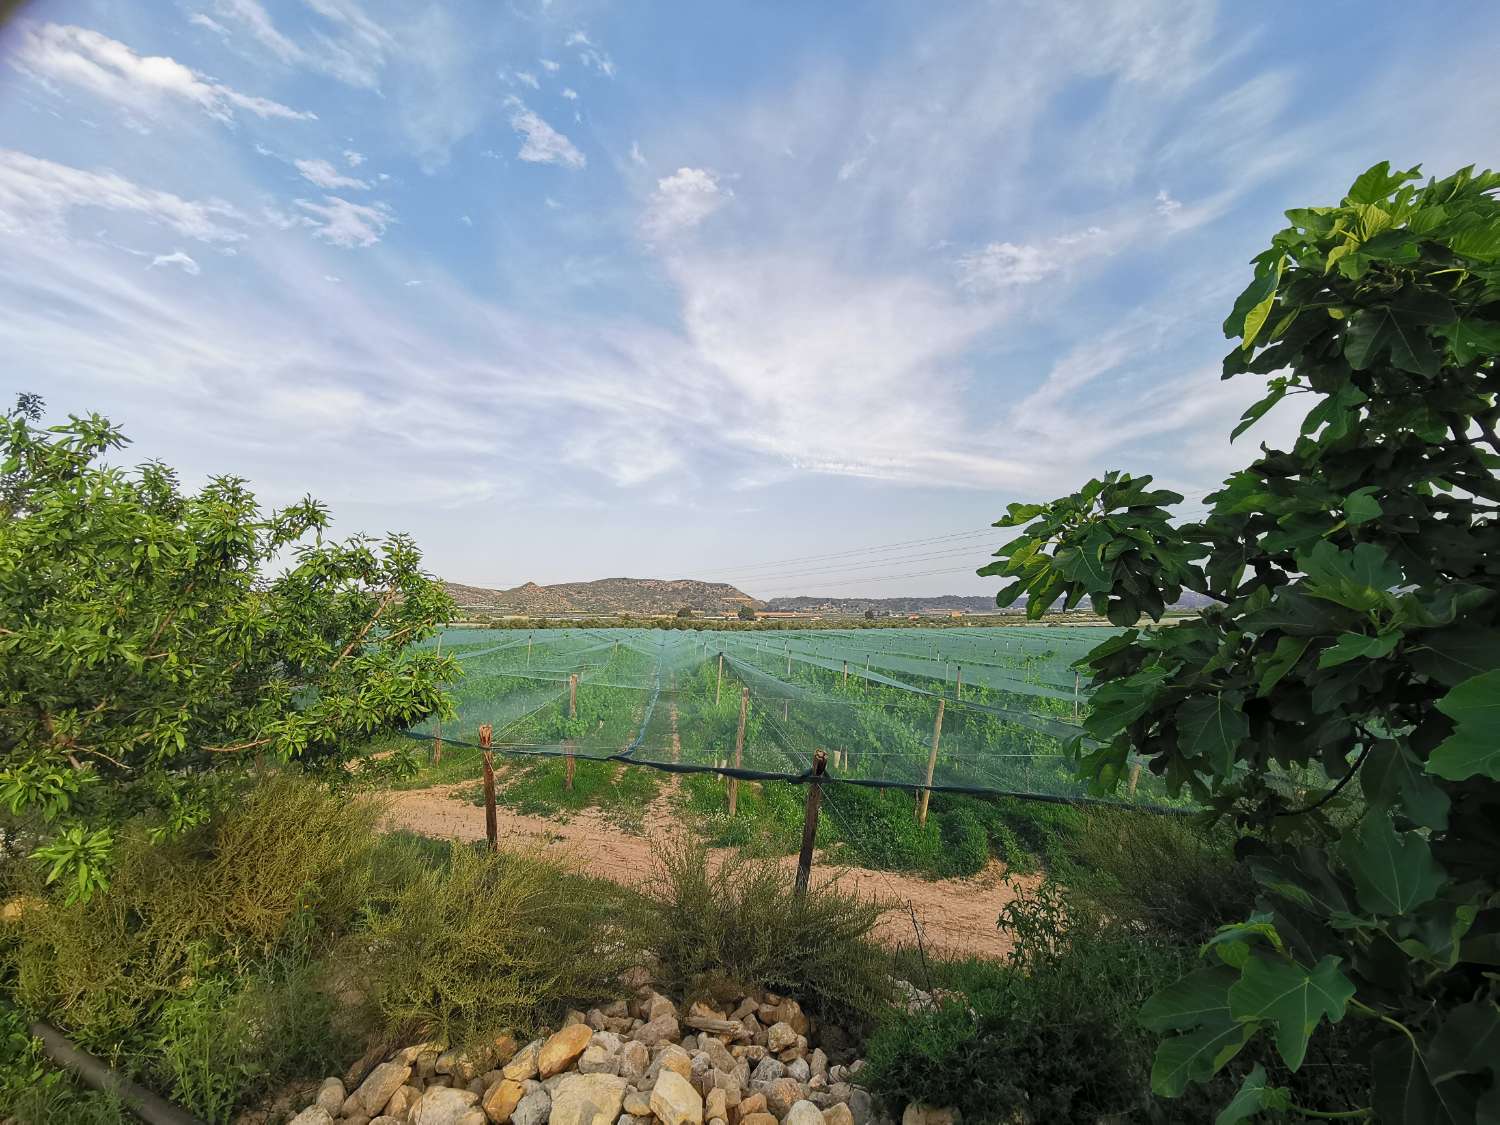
[[505, 940], [718, 927], [1050, 1036], [1167, 875], [144, 649], [32, 1092], [201, 967], [1338, 703]]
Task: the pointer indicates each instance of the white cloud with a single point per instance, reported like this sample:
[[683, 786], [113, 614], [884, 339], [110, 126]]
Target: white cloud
[[36, 196], [550, 66], [1003, 264], [682, 201], [354, 50], [352, 158], [144, 83], [320, 173], [468, 222], [349, 224], [208, 22], [543, 144], [636, 155], [526, 78], [412, 283], [176, 258], [1165, 204], [570, 93], [590, 55]]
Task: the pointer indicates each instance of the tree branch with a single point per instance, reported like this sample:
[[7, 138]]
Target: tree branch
[[390, 596]]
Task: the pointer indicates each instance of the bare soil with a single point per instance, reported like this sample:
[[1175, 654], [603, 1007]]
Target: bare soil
[[957, 916]]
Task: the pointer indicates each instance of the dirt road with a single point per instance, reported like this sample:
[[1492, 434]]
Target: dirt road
[[957, 915]]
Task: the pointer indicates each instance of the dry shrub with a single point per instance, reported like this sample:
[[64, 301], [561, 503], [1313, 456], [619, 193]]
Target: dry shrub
[[496, 941], [716, 929]]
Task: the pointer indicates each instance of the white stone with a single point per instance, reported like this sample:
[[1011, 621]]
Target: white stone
[[313, 1115], [804, 1113], [442, 1105], [331, 1095], [587, 1099], [674, 1101]]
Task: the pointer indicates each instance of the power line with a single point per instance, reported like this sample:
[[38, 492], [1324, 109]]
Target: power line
[[882, 547], [884, 578]]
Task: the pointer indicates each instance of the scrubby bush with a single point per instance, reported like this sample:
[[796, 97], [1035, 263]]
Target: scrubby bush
[[1050, 1034], [495, 941], [720, 927], [1167, 874]]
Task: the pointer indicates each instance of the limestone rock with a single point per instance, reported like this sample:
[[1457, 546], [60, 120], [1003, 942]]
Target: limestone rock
[[472, 1117], [717, 1053], [634, 1059], [674, 1101], [313, 1115], [659, 1006], [758, 1119], [780, 1036], [387, 1119], [782, 1094], [534, 1108], [562, 1050], [501, 1100], [861, 1105], [331, 1095], [790, 1012], [918, 1114], [768, 1070], [804, 1113], [672, 1058], [400, 1102], [715, 1104], [838, 1114], [596, 1059], [523, 1066], [662, 1029], [377, 1089], [637, 1104], [442, 1105], [818, 1061], [587, 1099], [799, 1070], [753, 1103]]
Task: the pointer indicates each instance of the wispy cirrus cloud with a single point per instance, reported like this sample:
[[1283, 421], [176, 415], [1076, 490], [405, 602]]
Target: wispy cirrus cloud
[[320, 173], [80, 57], [346, 224]]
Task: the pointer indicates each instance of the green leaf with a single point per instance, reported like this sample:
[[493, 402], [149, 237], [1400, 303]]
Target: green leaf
[[1470, 339], [1262, 287], [1467, 1043], [1211, 727], [1255, 320], [1253, 1097], [1376, 184], [1358, 646], [1257, 411], [1294, 1000], [1361, 506], [1200, 997], [1474, 746], [1392, 775], [1376, 331], [1195, 1056], [1403, 1089], [1393, 872], [1282, 660]]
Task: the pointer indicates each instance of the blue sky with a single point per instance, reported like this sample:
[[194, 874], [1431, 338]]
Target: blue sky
[[571, 290]]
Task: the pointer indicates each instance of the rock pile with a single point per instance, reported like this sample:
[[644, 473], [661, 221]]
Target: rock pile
[[642, 1062]]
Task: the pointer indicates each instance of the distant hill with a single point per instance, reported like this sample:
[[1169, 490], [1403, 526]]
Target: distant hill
[[648, 596], [605, 596], [938, 603]]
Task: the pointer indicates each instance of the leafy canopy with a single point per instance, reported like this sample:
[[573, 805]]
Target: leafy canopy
[[1340, 700], [145, 650]]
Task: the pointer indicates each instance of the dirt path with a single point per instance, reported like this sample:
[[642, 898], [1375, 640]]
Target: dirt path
[[957, 915]]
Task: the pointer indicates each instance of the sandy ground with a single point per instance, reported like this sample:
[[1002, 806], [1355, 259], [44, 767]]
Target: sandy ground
[[957, 916]]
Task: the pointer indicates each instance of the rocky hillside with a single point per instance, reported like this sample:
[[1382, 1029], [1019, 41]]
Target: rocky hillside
[[639, 596]]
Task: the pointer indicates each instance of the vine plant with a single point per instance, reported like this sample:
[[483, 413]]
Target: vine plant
[[1340, 698]]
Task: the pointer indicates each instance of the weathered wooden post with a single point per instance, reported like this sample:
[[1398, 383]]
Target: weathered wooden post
[[937, 733], [846, 673], [572, 713], [528, 651], [789, 660], [1135, 777], [491, 830], [718, 683], [958, 691], [1077, 676], [739, 749], [437, 734], [810, 822]]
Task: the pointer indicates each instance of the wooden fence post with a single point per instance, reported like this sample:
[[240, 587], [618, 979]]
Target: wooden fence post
[[846, 672], [810, 822], [958, 691], [491, 829], [1077, 676], [1135, 777], [789, 660], [573, 695], [528, 651], [718, 683], [937, 733], [739, 750], [437, 735]]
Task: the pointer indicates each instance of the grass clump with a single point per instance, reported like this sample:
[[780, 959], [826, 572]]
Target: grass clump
[[720, 928], [494, 941]]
